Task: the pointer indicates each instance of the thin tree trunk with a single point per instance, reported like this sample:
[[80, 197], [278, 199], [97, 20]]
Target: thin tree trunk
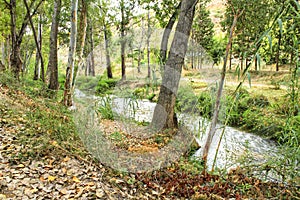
[[255, 63], [68, 100], [37, 68], [123, 41], [3, 58], [278, 52], [107, 51], [219, 94], [52, 70], [7, 52], [166, 36], [148, 46], [141, 51], [230, 58], [36, 40], [91, 70], [164, 115]]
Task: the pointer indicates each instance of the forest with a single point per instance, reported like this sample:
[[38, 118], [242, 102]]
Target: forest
[[139, 99]]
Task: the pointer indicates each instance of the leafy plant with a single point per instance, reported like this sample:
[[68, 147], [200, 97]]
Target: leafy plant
[[105, 108]]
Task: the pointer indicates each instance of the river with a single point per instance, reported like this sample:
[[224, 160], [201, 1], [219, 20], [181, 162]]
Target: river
[[236, 147]]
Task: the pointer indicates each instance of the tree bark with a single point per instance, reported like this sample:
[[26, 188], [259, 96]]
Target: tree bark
[[278, 52], [15, 58], [37, 68], [81, 37], [68, 100], [52, 70], [148, 46], [91, 71], [164, 115], [123, 41], [166, 36], [107, 51]]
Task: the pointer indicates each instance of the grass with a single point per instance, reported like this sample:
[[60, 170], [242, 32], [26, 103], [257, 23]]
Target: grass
[[46, 120]]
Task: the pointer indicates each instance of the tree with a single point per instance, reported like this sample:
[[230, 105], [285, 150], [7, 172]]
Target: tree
[[213, 125], [37, 67], [17, 35], [202, 33], [105, 20], [164, 115], [126, 8], [68, 100], [52, 70], [256, 17], [166, 35], [81, 36]]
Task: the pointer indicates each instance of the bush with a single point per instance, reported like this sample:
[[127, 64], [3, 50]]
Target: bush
[[105, 85]]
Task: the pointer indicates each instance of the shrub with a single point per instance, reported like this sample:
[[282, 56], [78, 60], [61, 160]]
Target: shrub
[[105, 85]]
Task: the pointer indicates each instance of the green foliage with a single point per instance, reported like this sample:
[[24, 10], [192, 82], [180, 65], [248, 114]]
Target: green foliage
[[117, 136], [192, 165], [105, 85], [217, 50]]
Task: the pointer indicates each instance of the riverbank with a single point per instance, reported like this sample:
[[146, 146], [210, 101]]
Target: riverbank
[[42, 156]]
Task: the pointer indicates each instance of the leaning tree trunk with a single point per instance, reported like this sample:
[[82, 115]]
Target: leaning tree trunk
[[68, 100], [37, 68], [52, 70], [166, 36], [38, 46], [213, 125], [164, 115]]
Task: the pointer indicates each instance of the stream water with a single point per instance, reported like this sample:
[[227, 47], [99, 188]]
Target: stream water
[[235, 146]]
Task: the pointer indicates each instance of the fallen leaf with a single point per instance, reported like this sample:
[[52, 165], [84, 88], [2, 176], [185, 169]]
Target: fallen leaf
[[64, 191], [51, 178], [75, 179]]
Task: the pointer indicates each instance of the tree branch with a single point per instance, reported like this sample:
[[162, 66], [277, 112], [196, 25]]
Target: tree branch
[[26, 19]]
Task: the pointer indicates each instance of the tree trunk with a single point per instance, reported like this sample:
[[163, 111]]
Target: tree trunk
[[255, 63], [37, 68], [15, 58], [38, 46], [213, 125], [107, 51], [148, 45], [52, 70], [68, 100], [123, 41], [16, 38], [91, 71], [230, 58], [166, 36], [164, 115], [141, 51], [6, 52], [278, 52], [81, 37]]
